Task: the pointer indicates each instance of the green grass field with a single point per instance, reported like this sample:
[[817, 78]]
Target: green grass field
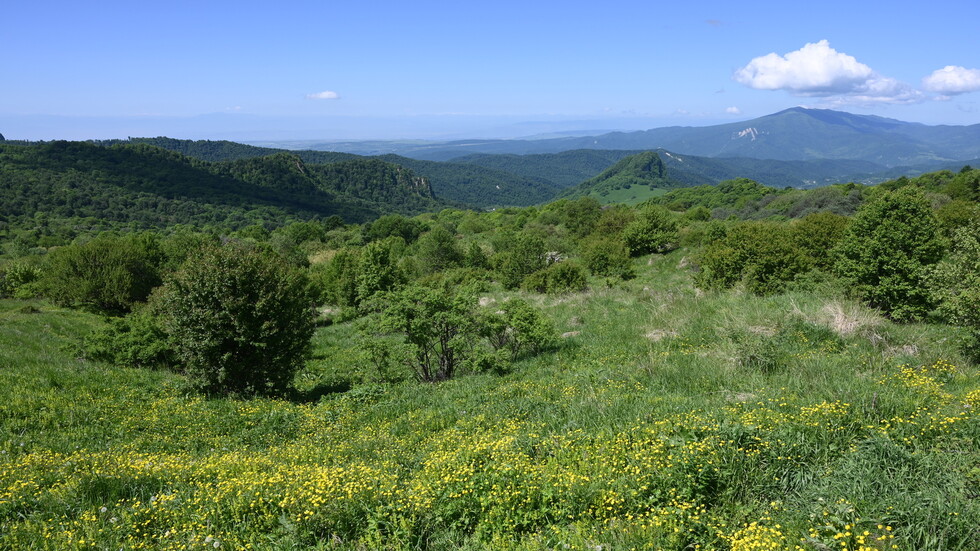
[[666, 419], [628, 196]]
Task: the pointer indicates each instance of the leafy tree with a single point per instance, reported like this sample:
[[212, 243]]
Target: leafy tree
[[337, 282], [108, 274], [954, 283], [763, 255], [518, 328], [525, 257], [817, 234], [556, 279], [474, 257], [240, 320], [438, 251], [654, 231], [885, 253], [391, 225], [437, 326], [607, 257], [377, 270]]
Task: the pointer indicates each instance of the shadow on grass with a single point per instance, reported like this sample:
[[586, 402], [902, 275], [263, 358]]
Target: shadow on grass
[[314, 394]]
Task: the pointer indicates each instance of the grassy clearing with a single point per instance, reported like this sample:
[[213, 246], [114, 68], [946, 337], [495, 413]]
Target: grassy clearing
[[632, 195], [666, 419]]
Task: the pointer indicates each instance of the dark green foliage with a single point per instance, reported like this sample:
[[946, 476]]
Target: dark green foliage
[[136, 340], [613, 220], [337, 281], [240, 320], [556, 279], [108, 274], [479, 186], [438, 327], [886, 252], [564, 169], [763, 255], [524, 257], [437, 250], [607, 257], [653, 231], [395, 225], [579, 216], [474, 257], [518, 328], [954, 283], [77, 182], [377, 270], [817, 234]]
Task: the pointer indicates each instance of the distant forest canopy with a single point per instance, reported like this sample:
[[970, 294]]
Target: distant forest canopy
[[52, 192], [143, 186]]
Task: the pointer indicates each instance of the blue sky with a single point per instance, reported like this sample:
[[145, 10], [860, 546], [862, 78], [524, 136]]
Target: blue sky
[[429, 69]]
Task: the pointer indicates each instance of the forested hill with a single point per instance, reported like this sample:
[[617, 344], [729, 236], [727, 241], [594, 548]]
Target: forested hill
[[641, 176], [470, 184], [148, 186]]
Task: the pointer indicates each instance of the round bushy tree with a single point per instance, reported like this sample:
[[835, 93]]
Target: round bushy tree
[[108, 274], [654, 231], [887, 250], [240, 319]]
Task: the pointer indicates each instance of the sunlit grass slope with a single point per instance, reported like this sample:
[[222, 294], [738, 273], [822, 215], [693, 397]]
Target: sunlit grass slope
[[666, 419]]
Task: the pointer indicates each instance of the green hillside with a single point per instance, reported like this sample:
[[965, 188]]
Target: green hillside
[[643, 175], [147, 187], [474, 185]]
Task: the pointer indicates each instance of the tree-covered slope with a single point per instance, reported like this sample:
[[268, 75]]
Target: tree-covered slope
[[152, 187], [480, 186], [644, 170]]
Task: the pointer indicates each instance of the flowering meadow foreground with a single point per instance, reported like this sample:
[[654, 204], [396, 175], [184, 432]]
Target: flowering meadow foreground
[[666, 419]]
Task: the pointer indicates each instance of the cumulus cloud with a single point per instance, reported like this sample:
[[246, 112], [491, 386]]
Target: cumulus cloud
[[952, 80], [326, 94], [816, 69], [733, 111]]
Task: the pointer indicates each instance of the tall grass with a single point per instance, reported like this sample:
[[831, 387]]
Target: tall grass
[[665, 419]]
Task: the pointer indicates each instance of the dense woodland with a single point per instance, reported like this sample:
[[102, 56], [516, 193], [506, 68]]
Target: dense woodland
[[299, 352]]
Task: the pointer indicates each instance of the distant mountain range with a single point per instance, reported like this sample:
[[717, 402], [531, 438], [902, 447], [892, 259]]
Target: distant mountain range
[[799, 148], [795, 134]]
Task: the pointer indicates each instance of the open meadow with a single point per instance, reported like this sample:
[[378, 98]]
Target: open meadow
[[665, 418]]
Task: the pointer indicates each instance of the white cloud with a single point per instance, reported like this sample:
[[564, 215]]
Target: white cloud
[[816, 69], [733, 111], [952, 80], [326, 94]]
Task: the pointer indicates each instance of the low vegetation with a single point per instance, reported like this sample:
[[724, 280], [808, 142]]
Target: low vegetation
[[569, 376]]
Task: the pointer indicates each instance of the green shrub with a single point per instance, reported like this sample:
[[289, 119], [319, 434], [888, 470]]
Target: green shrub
[[337, 280], [760, 254], [559, 278], [654, 231], [109, 274], [438, 327], [885, 254], [377, 271], [518, 328], [20, 279], [524, 257], [136, 340], [954, 283], [608, 258], [817, 234], [240, 319], [437, 250]]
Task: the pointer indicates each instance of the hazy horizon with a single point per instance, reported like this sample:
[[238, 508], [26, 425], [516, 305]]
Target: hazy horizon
[[435, 70]]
